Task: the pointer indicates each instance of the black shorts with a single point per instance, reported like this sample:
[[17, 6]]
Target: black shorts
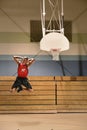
[[21, 81]]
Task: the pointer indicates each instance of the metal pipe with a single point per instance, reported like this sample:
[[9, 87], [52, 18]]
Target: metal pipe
[[62, 17], [44, 13]]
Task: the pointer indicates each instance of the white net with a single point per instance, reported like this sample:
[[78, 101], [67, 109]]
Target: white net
[[55, 54]]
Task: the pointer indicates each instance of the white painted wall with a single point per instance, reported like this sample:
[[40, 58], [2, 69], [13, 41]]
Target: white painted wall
[[15, 16], [34, 49]]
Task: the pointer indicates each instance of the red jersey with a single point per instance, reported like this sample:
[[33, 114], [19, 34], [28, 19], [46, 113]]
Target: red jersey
[[22, 70]]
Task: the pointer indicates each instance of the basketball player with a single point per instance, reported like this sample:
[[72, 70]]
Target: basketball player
[[22, 73]]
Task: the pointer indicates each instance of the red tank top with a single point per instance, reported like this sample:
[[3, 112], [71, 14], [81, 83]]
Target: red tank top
[[22, 70]]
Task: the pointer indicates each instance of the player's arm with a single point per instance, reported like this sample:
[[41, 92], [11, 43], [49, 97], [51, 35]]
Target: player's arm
[[17, 59], [30, 61]]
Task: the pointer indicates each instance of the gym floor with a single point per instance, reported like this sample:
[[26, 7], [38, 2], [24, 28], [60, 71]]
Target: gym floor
[[59, 121]]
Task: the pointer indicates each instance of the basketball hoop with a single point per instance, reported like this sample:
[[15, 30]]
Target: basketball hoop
[[55, 53], [55, 43]]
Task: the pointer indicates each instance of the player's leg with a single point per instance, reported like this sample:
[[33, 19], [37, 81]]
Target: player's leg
[[19, 84], [27, 84], [19, 88], [16, 86]]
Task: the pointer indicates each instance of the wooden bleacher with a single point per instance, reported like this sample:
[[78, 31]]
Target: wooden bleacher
[[71, 94], [41, 100], [51, 95]]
